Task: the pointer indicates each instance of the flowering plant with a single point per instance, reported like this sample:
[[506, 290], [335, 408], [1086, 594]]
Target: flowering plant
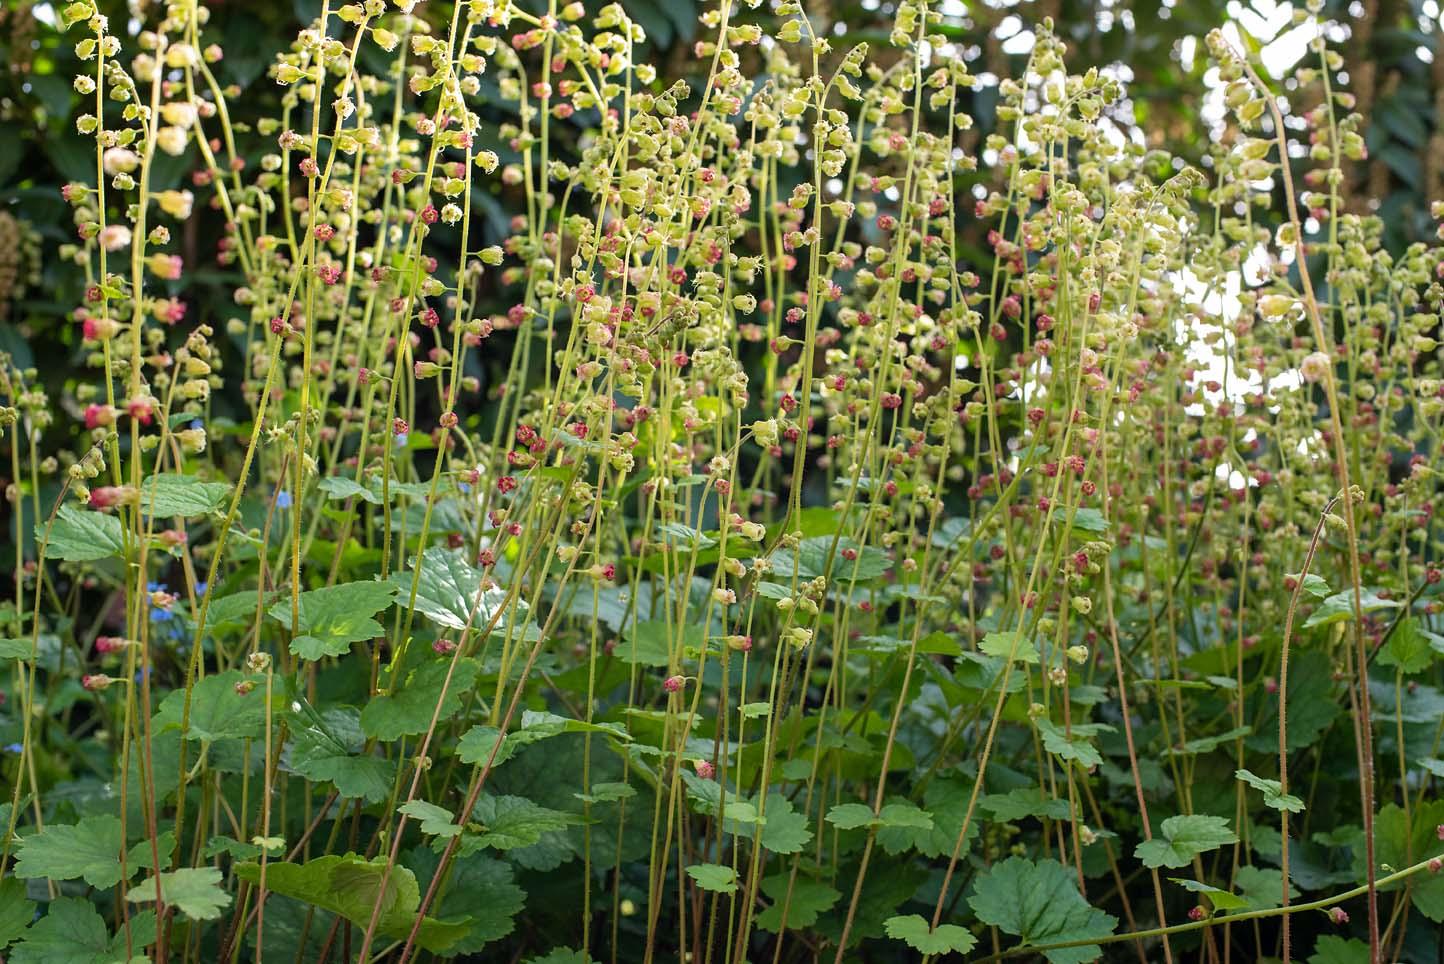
[[777, 574]]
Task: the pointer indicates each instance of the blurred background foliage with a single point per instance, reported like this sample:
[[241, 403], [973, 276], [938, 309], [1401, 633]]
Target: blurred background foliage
[[1393, 50]]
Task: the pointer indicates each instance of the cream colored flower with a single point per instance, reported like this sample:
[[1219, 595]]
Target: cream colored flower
[[113, 237]]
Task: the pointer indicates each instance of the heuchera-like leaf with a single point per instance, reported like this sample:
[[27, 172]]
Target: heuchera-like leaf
[[194, 891], [329, 747], [1039, 902], [330, 620], [718, 878], [408, 709], [350, 885], [1182, 838], [915, 932]]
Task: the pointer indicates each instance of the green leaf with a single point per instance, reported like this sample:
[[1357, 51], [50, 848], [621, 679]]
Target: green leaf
[[786, 830], [1183, 837], [947, 799], [16, 649], [1207, 744], [82, 536], [1314, 584], [1023, 802], [1009, 646], [16, 911], [1340, 606], [89, 850], [511, 822], [608, 792], [475, 746], [1039, 902], [350, 885], [408, 709], [850, 816], [1089, 520], [231, 847], [561, 955], [718, 878], [435, 821], [514, 821], [905, 815], [1220, 898], [1272, 791], [481, 890], [450, 593], [1332, 949], [1075, 747], [1408, 648], [218, 710], [1427, 895], [330, 747], [71, 932], [709, 799], [685, 538], [235, 608], [1263, 887], [333, 618], [809, 560], [172, 494], [1311, 704], [914, 931], [194, 891], [339, 487], [809, 898], [648, 643]]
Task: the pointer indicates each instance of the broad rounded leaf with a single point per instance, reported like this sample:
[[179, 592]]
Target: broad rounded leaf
[[332, 619], [408, 709], [450, 594], [1039, 902], [718, 878], [330, 747], [194, 891], [1182, 838], [350, 885], [172, 494]]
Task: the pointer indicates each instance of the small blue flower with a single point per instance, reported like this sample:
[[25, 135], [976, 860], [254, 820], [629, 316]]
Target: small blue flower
[[401, 438], [13, 748], [283, 499], [197, 423]]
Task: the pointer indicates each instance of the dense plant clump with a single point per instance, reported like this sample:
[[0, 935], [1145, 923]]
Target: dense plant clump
[[779, 577]]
